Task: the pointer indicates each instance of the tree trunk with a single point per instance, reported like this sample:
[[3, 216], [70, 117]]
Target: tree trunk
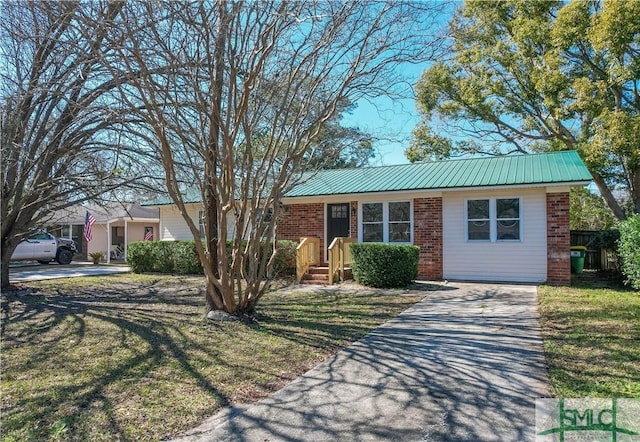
[[6, 250], [211, 166], [608, 197], [5, 272]]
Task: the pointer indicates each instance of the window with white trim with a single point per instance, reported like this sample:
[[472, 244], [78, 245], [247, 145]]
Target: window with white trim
[[493, 219], [386, 222], [508, 219], [372, 222], [478, 220]]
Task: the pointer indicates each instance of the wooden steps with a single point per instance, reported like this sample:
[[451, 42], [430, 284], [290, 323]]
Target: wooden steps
[[320, 275]]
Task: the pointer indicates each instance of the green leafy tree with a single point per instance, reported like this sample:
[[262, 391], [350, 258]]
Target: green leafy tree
[[528, 76], [589, 211], [629, 250]]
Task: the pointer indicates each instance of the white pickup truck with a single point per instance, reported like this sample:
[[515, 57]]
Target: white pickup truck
[[44, 248]]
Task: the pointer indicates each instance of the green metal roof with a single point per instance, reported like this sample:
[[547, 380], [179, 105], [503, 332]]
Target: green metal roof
[[545, 168]]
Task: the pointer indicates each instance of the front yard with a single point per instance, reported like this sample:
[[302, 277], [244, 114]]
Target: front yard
[[130, 358], [592, 340]]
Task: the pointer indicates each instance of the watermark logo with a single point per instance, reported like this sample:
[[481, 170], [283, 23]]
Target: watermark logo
[[587, 419]]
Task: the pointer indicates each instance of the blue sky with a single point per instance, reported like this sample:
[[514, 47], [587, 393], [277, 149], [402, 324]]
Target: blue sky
[[391, 121]]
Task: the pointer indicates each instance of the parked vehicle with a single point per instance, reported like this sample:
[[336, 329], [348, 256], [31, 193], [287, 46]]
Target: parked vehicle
[[44, 248]]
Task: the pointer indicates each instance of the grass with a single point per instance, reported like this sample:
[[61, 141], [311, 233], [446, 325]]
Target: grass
[[130, 357], [592, 339]]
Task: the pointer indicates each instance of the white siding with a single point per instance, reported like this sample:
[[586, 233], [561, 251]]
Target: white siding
[[135, 231], [174, 228], [98, 241], [172, 224], [524, 261]]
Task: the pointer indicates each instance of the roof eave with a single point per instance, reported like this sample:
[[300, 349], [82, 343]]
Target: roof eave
[[354, 196]]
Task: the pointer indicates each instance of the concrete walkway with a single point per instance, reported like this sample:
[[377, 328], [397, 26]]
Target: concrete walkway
[[464, 364], [38, 272]]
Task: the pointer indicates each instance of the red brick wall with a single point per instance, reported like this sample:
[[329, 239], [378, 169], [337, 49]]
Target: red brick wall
[[302, 220], [558, 239], [427, 234], [353, 232]]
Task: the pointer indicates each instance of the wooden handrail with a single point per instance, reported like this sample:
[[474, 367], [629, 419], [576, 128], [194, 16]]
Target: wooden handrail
[[339, 254], [333, 255], [307, 254]]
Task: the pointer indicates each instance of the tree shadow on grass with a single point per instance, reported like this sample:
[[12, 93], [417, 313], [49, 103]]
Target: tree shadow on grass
[[125, 336]]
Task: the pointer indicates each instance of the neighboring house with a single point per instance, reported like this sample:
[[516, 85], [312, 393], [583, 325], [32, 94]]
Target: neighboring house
[[489, 219], [115, 228]]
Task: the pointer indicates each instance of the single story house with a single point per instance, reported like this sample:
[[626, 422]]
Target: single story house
[[500, 218], [115, 227]]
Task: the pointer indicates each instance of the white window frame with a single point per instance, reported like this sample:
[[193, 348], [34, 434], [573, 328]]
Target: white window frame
[[385, 220], [493, 219]]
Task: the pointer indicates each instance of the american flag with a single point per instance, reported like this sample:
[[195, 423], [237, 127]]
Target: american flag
[[89, 221], [148, 235]]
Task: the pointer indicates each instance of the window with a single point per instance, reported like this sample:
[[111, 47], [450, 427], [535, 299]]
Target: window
[[478, 221], [508, 215], [117, 235], [372, 222], [495, 219], [386, 222], [400, 222], [339, 211]]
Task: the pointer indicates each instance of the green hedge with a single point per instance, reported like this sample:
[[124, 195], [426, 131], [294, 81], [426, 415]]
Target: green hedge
[[384, 265], [180, 257], [629, 250]]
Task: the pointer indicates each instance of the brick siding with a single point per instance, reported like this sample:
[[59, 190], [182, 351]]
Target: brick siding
[[302, 220], [353, 232], [558, 239], [427, 234]]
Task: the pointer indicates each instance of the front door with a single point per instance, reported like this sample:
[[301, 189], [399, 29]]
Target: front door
[[337, 221]]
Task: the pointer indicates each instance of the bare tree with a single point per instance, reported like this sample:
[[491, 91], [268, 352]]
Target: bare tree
[[61, 132], [233, 95]]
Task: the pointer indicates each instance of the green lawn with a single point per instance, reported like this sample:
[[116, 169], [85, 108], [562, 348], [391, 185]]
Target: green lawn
[[592, 340], [131, 358]]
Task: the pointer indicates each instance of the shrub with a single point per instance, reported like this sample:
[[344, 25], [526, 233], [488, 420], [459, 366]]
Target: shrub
[[384, 265], [181, 257], [140, 256], [186, 258], [285, 260], [629, 250]]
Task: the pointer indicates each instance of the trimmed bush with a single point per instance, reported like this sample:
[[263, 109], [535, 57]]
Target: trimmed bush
[[285, 260], [629, 250], [384, 265], [140, 256], [186, 259], [180, 257]]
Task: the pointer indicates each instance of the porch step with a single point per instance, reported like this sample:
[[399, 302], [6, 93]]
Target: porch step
[[320, 275]]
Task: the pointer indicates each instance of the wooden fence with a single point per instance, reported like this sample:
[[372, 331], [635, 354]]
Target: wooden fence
[[600, 254]]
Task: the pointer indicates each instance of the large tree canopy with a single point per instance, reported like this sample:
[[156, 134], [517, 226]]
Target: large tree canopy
[[238, 98], [61, 129], [529, 76]]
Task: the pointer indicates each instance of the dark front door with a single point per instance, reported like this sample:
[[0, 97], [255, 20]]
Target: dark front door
[[337, 221]]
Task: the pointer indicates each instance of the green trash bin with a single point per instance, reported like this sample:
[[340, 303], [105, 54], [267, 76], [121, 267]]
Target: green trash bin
[[577, 258]]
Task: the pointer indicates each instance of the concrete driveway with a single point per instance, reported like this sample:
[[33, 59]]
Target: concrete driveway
[[36, 272], [464, 364]]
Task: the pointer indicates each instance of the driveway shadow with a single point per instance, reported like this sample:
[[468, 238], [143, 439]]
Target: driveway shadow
[[464, 364]]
